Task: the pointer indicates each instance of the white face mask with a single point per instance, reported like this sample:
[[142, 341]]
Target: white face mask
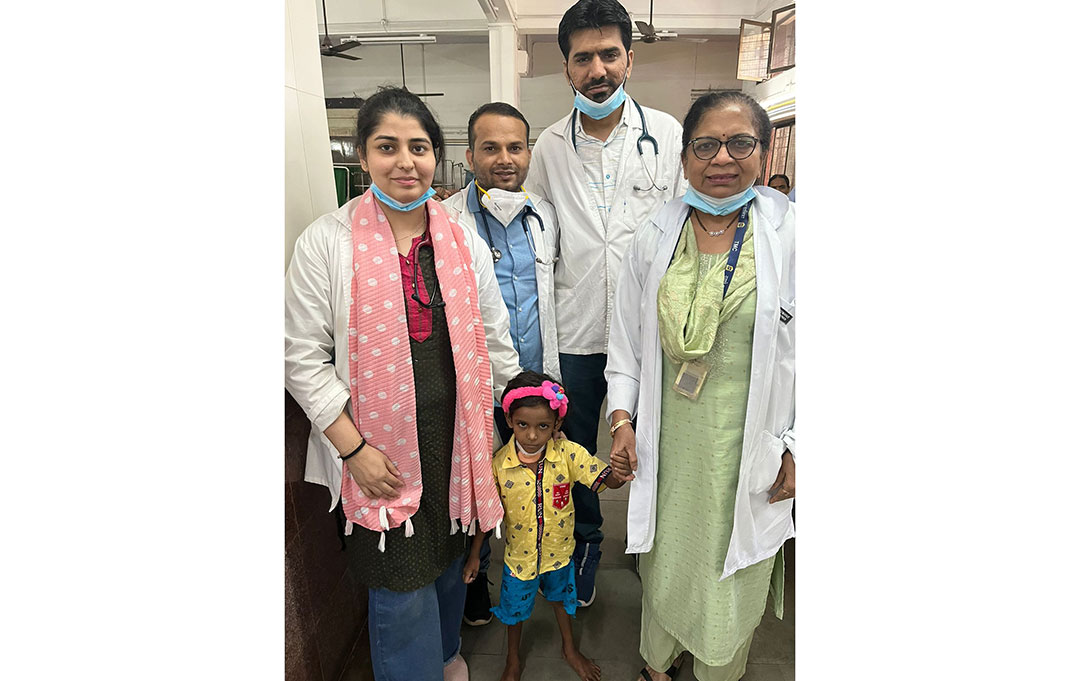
[[504, 206]]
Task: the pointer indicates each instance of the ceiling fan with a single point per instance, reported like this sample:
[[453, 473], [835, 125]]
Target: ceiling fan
[[327, 47], [649, 34]]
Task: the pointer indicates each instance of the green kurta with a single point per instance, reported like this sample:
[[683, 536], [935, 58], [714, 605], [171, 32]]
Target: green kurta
[[684, 604]]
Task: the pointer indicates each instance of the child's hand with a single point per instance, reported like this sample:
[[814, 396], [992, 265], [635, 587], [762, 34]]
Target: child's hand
[[620, 466], [472, 568], [615, 479]]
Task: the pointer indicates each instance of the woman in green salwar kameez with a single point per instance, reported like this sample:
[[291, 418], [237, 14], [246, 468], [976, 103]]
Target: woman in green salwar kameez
[[706, 308]]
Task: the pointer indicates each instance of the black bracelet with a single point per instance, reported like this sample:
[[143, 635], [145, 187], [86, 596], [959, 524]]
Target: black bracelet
[[356, 451]]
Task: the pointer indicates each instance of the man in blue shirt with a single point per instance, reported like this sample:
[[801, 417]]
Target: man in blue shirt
[[521, 232]]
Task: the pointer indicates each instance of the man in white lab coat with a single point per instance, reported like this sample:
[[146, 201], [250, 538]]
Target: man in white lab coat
[[607, 167]]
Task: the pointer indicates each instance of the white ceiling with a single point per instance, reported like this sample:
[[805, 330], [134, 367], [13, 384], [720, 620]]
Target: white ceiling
[[532, 17]]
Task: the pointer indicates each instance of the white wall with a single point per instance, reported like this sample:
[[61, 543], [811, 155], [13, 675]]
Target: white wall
[[458, 70], [533, 16], [402, 16], [309, 175], [683, 16], [664, 74]]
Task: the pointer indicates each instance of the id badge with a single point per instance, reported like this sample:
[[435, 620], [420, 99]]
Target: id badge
[[691, 378]]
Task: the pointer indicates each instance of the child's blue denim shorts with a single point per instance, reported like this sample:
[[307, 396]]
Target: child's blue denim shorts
[[517, 595]]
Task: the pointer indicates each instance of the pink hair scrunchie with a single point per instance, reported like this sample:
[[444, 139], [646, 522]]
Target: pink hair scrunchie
[[552, 392]]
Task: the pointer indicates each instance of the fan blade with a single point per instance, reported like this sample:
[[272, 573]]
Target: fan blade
[[429, 94], [340, 55], [644, 28], [346, 46]]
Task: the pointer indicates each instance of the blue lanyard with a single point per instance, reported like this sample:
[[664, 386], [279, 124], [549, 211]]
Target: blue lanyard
[[733, 254]]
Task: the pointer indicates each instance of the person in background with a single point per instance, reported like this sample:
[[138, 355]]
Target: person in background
[[702, 350], [385, 353], [539, 523], [780, 183], [520, 232], [606, 167]]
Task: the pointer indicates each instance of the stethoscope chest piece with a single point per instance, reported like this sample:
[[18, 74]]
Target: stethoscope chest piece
[[496, 255]]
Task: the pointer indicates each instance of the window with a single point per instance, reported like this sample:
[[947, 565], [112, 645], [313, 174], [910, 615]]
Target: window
[[753, 51], [781, 158], [782, 47]]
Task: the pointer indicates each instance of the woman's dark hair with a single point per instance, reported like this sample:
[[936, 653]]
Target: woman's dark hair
[[593, 14], [714, 100], [500, 109], [389, 99], [530, 379], [786, 180]]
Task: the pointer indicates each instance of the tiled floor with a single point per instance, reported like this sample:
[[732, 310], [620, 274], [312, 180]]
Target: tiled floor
[[608, 630]]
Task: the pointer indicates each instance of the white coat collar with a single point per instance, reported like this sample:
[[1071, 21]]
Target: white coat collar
[[770, 207]]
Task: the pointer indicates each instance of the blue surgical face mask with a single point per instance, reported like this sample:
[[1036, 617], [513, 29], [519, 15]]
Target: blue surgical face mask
[[397, 205], [597, 111], [708, 204]]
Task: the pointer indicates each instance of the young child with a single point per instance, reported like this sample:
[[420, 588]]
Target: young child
[[534, 474]]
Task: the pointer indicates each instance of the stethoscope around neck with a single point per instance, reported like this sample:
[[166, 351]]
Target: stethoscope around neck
[[643, 138], [527, 211]]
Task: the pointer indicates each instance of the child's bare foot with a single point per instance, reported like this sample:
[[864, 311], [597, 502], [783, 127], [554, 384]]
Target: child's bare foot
[[585, 668], [512, 671]]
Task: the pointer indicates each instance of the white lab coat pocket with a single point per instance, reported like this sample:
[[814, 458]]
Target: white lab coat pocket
[[766, 463], [545, 269], [643, 197]]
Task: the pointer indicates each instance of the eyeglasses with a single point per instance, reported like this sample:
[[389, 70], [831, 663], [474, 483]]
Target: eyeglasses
[[738, 147]]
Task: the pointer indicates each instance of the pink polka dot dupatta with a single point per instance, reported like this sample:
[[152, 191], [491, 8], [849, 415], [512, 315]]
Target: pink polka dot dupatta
[[381, 378]]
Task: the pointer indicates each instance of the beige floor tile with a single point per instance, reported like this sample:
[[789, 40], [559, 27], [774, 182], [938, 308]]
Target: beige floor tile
[[489, 639], [489, 667], [769, 672], [608, 630], [614, 547], [611, 625]]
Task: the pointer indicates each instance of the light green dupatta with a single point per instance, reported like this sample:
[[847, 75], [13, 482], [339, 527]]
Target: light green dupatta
[[691, 311]]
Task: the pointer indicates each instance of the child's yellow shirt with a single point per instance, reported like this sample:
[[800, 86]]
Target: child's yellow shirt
[[540, 527]]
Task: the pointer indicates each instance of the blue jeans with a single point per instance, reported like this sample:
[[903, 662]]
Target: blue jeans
[[586, 387], [415, 633]]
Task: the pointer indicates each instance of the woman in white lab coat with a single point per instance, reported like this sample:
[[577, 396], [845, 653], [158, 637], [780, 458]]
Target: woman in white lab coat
[[396, 338], [701, 353]]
